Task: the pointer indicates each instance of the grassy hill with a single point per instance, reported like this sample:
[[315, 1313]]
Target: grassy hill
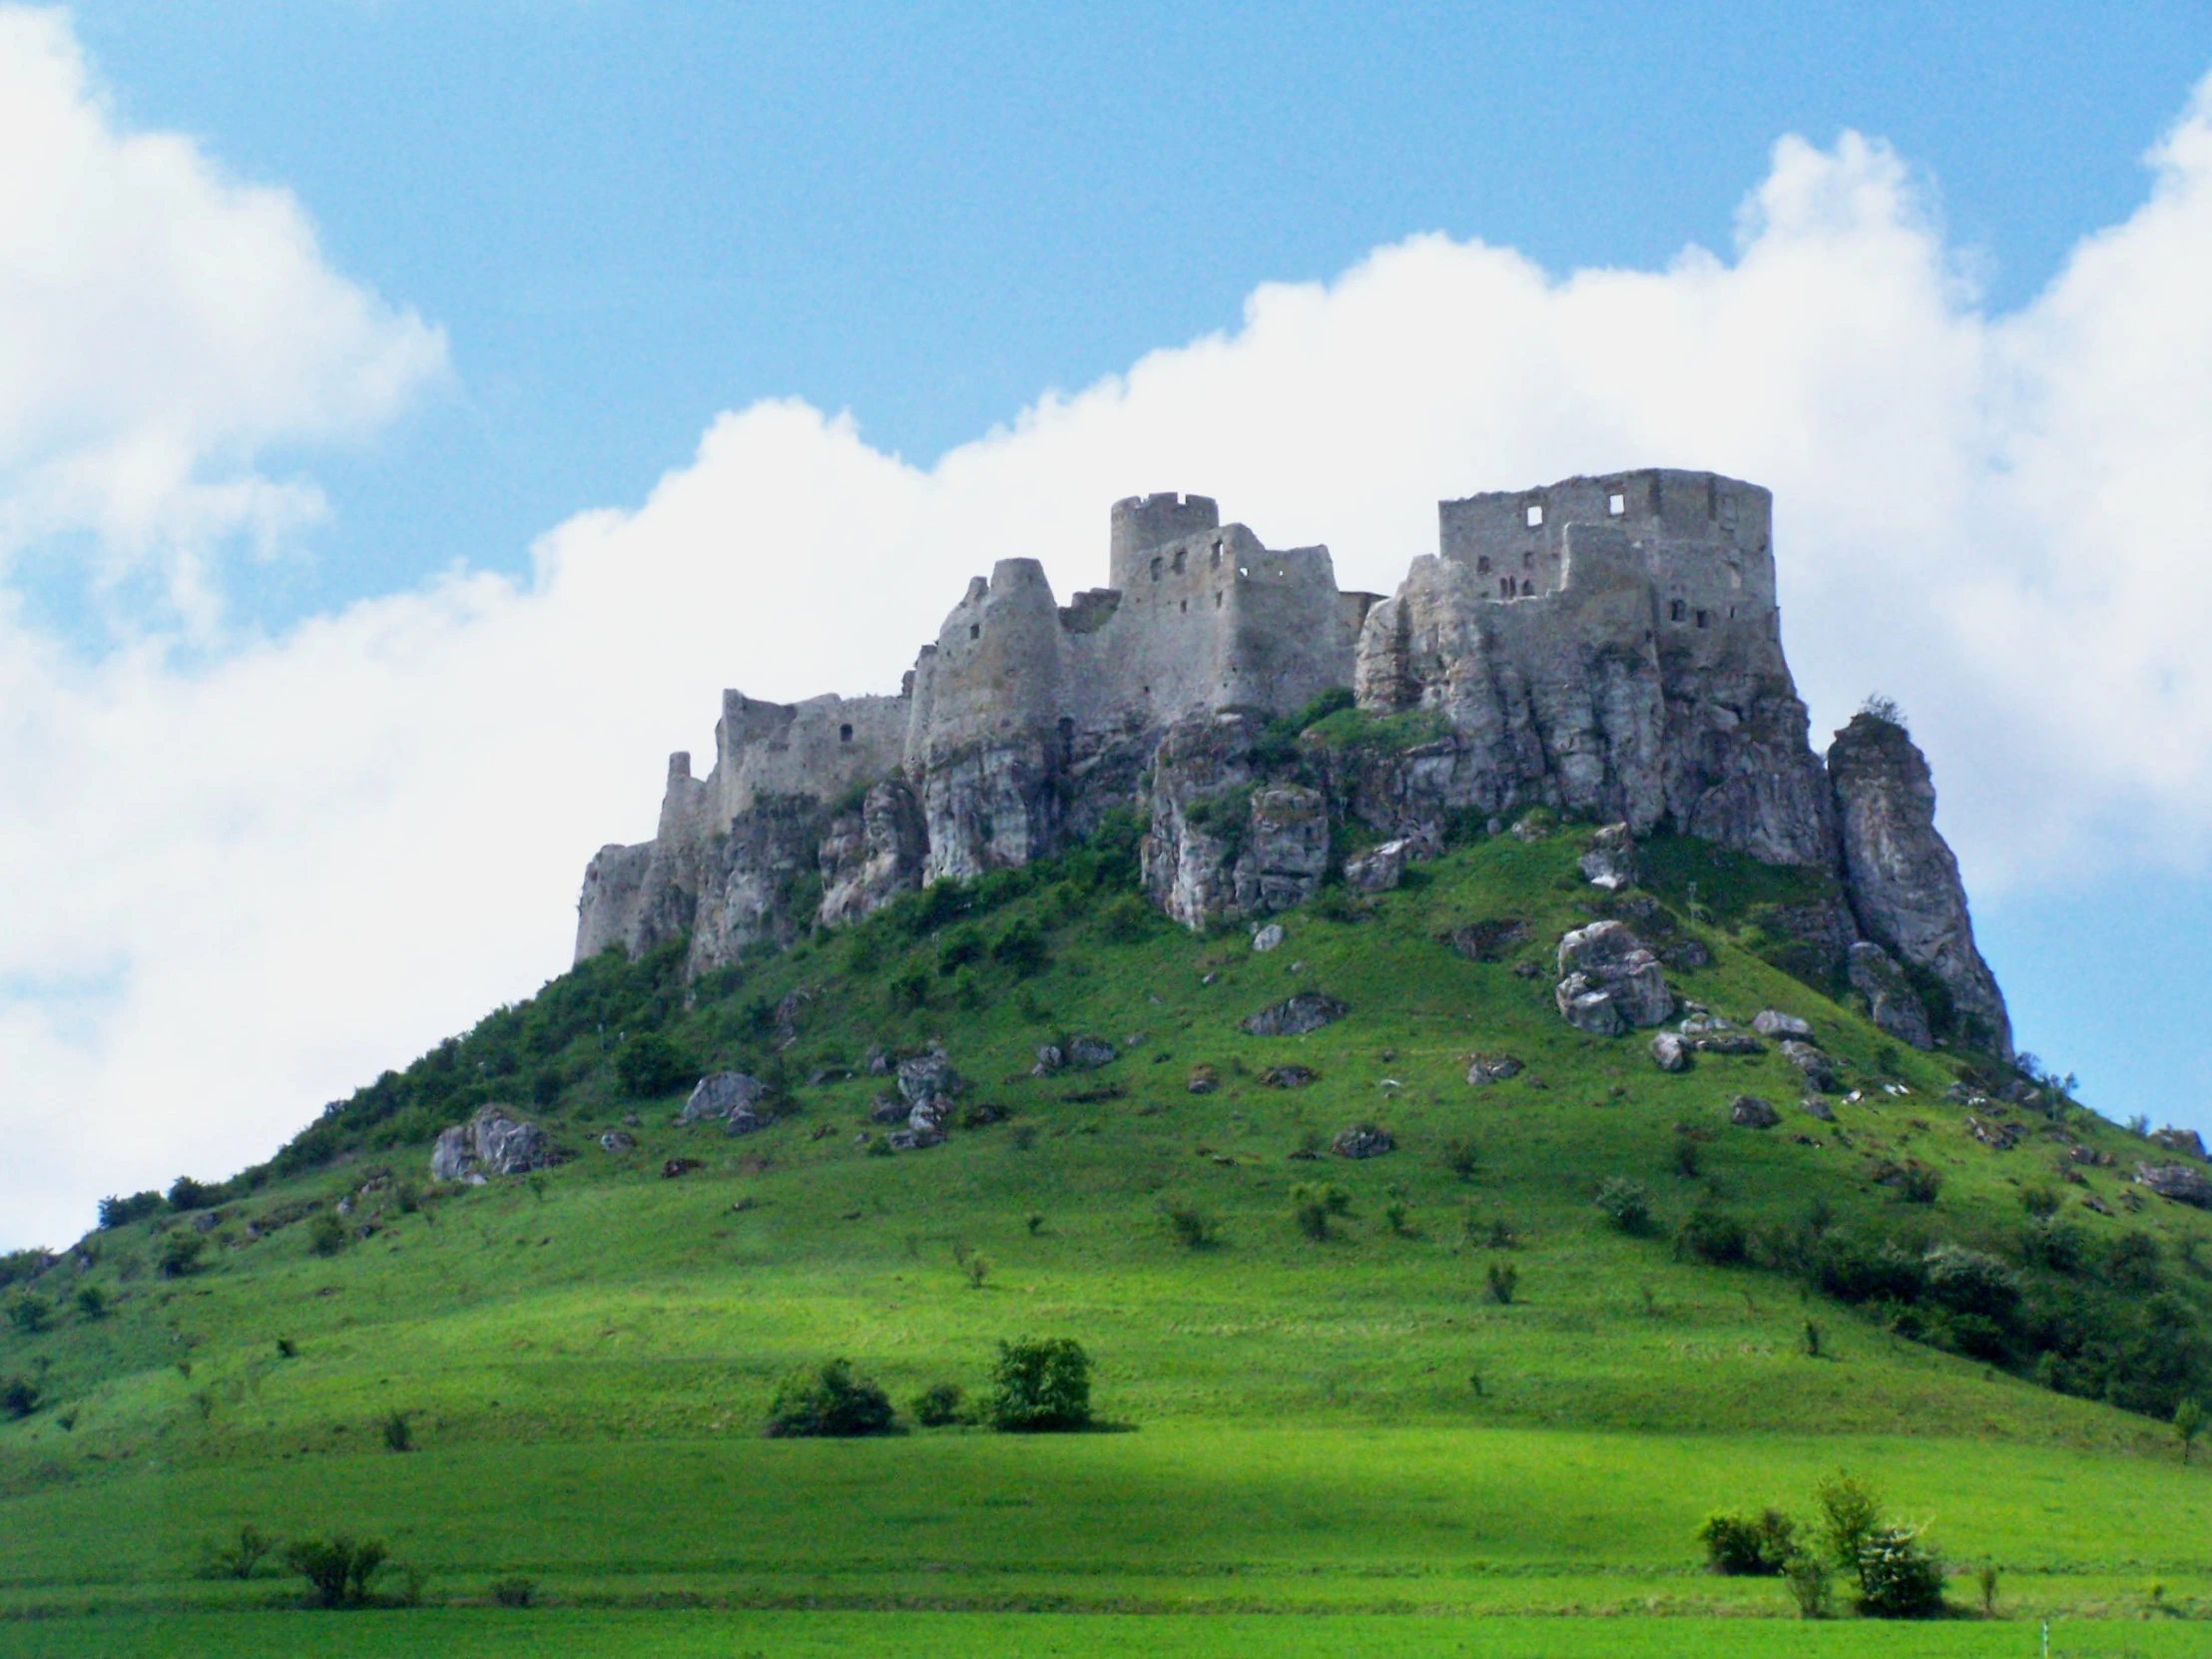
[[1354, 1425]]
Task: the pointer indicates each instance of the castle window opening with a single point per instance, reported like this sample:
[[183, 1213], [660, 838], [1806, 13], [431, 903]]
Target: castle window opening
[[1185, 605], [1728, 509], [1482, 565], [1179, 563], [1677, 611], [1505, 587], [1535, 516], [975, 630], [1528, 590], [845, 733], [1616, 503], [1155, 570], [1701, 619], [1216, 564], [1217, 600], [1528, 559]]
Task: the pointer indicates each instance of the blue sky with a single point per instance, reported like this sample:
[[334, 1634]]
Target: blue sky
[[629, 216], [443, 400]]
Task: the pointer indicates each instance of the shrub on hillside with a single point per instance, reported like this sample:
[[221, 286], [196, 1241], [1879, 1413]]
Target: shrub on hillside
[[907, 991], [92, 1302], [339, 1570], [1311, 1208], [648, 1065], [1021, 948], [1748, 1546], [327, 1233], [237, 1557], [180, 1252], [186, 1194], [1626, 1203], [939, 1405], [1040, 1384], [1970, 1281], [829, 1402], [121, 1211], [19, 1396], [1849, 1512], [1127, 919], [1192, 1227], [1503, 1280], [30, 1313], [1710, 1234], [1900, 1577], [514, 1592]]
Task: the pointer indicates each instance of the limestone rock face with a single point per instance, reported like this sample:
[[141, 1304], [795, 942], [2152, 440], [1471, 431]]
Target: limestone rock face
[[1579, 700], [1610, 981], [493, 1142], [1224, 843], [2178, 1182], [1611, 861], [1899, 873], [1295, 1016], [870, 857], [748, 879], [1377, 869], [1893, 1005], [719, 1094]]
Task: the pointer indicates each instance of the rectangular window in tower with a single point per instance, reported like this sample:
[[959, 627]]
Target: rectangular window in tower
[[1616, 503], [1535, 516], [1675, 611]]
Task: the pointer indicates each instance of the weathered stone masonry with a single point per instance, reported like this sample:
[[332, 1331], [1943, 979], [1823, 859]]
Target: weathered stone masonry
[[1606, 645]]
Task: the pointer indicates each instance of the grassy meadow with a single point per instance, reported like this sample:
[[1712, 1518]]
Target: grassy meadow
[[1355, 1428]]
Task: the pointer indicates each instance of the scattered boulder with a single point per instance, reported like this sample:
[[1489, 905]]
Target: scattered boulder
[[1993, 1133], [1892, 1004], [1748, 1111], [744, 1120], [1610, 862], [1772, 1022], [1089, 1053], [613, 1140], [1297, 1015], [822, 1076], [1687, 953], [912, 1140], [927, 1077], [889, 1108], [2170, 1139], [1731, 1042], [678, 1166], [1818, 1069], [1814, 1106], [1532, 827], [1050, 1059], [2178, 1182], [1492, 1068], [1379, 868], [1201, 1080], [1669, 1052], [1611, 982], [1289, 1077], [493, 1142], [1267, 937], [928, 1116], [1362, 1140], [719, 1094], [877, 1061]]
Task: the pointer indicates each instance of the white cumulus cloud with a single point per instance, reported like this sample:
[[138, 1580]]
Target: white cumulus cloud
[[262, 878]]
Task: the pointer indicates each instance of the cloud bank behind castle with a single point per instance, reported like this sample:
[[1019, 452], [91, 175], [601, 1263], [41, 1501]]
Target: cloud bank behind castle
[[355, 839]]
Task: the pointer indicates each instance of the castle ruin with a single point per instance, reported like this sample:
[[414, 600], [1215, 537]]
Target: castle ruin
[[1608, 646]]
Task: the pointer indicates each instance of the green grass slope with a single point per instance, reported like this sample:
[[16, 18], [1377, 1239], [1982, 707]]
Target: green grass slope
[[1351, 1424]]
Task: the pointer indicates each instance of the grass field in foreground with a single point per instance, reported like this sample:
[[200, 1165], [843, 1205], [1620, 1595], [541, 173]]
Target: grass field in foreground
[[489, 1634]]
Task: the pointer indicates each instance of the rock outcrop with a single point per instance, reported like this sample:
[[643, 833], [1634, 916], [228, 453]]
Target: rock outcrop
[[1610, 981], [493, 1142], [1892, 1003], [1901, 876]]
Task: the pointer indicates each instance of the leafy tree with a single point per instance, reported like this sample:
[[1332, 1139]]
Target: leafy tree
[[30, 1313], [1900, 1577], [939, 1405], [1849, 1514], [1040, 1383], [828, 1403], [1755, 1546], [181, 1252], [92, 1302], [239, 1557], [327, 1233], [121, 1211], [2188, 1423], [1627, 1202], [186, 1194]]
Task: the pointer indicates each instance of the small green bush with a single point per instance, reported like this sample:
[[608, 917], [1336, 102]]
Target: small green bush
[[93, 1303], [1900, 1577], [1849, 1514], [186, 1194], [907, 991], [340, 1570], [1503, 1280], [1192, 1227], [327, 1233], [1040, 1384], [514, 1592], [179, 1252], [1748, 1546], [398, 1432], [1461, 1159], [19, 1396], [1807, 1576], [237, 1558], [1127, 919], [1626, 1203], [829, 1402], [939, 1405], [1312, 1207], [959, 952], [1711, 1234], [30, 1313], [121, 1211]]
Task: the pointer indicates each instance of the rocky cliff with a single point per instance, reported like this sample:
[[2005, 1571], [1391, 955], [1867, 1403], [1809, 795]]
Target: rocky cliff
[[1608, 648]]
